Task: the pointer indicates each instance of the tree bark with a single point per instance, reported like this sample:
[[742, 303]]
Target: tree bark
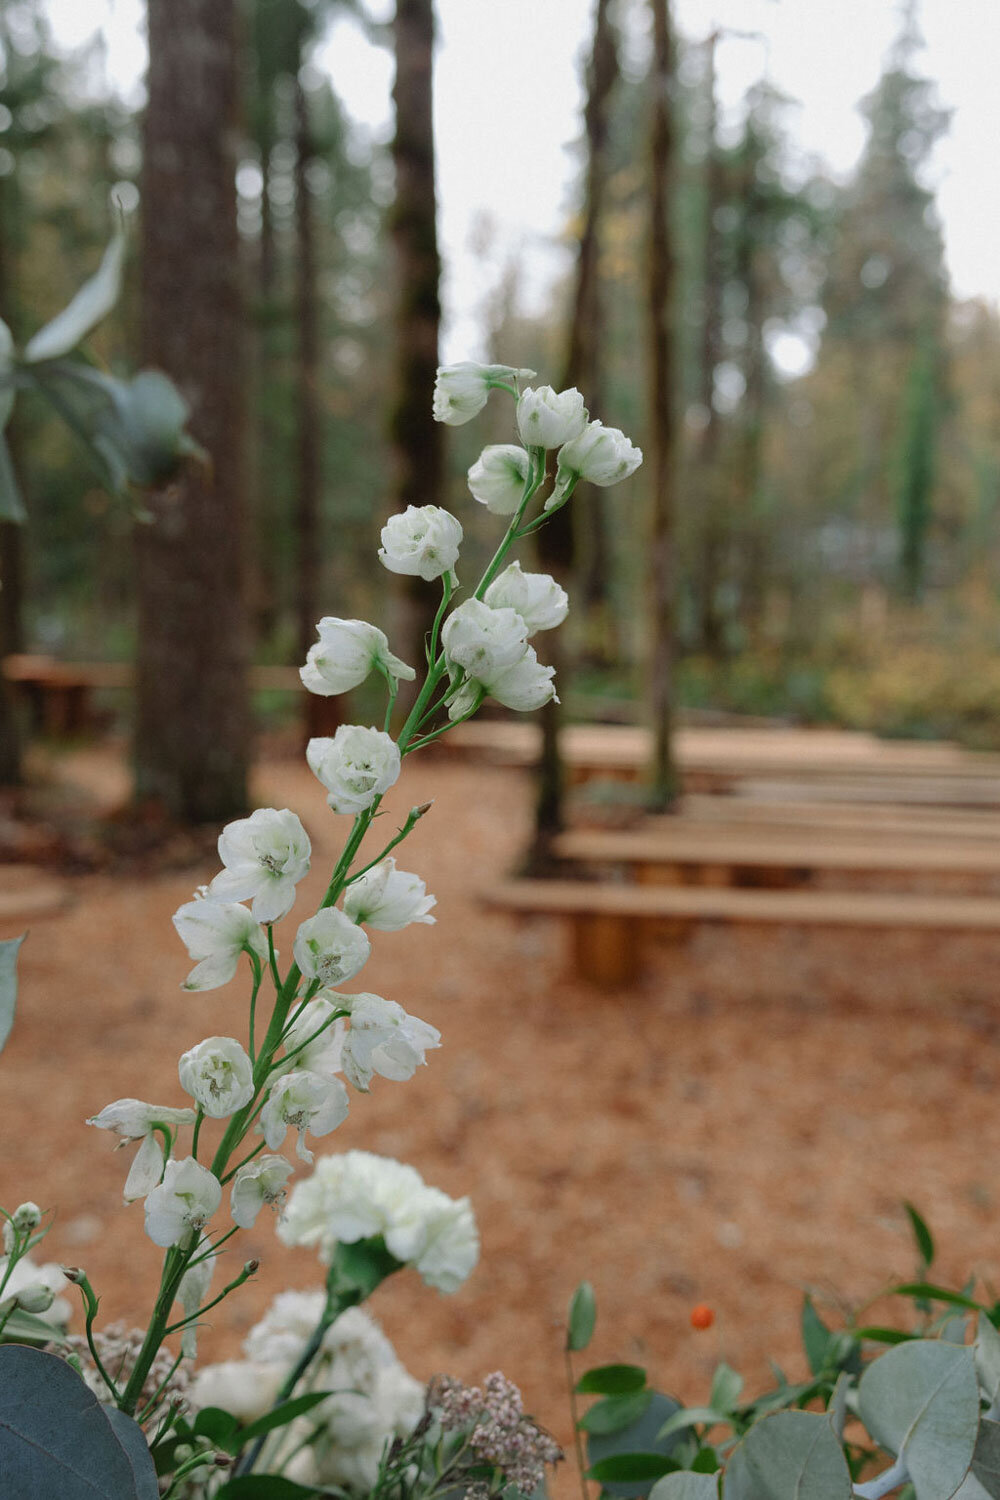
[[660, 300], [192, 734], [307, 382], [416, 439]]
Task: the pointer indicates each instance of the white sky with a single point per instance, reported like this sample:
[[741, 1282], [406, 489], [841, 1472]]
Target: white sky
[[508, 101]]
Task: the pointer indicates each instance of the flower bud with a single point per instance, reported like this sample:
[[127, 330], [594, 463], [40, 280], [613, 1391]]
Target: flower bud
[[26, 1217], [548, 418], [421, 541], [75, 1274], [498, 477], [600, 455], [536, 597], [461, 390], [35, 1298]]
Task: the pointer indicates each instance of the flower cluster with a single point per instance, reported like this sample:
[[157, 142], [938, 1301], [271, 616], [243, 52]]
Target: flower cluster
[[358, 1196], [498, 1431], [372, 1397]]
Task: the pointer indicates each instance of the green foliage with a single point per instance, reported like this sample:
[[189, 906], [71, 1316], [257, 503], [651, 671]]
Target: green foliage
[[582, 1317], [58, 1439], [8, 986]]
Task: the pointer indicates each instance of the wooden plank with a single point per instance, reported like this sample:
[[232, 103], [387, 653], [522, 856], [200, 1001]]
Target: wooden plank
[[571, 898], [684, 845], [844, 819], [50, 671]]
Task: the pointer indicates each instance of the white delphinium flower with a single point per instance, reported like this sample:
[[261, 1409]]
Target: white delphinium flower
[[358, 1195], [483, 640], [265, 855], [35, 1289], [186, 1199], [215, 933], [356, 766], [524, 686], [346, 652], [421, 542], [384, 1039], [498, 477], [600, 455], [246, 1388], [262, 1181], [133, 1120], [548, 418], [388, 899], [306, 1101], [461, 390], [314, 1038], [218, 1075], [536, 597], [330, 948], [192, 1292]]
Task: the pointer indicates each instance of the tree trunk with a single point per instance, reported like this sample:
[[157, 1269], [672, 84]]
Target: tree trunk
[[192, 736], [12, 536], [307, 387], [417, 445], [578, 530], [660, 295]]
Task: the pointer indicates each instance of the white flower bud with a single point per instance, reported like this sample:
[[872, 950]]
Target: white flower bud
[[307, 1102], [26, 1217], [262, 1181], [356, 766], [524, 686], [388, 899], [265, 856], [600, 455], [498, 476], [461, 390], [186, 1199], [216, 933], [484, 641], [35, 1298], [537, 598], [421, 541], [548, 418], [218, 1075], [346, 652], [383, 1039], [330, 948]]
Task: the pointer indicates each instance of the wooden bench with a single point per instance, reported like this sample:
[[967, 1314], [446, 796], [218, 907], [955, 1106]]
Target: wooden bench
[[718, 815], [681, 852], [608, 922]]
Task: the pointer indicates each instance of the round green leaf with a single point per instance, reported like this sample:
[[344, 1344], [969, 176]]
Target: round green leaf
[[640, 1437], [987, 1356], [630, 1468], [794, 1455], [985, 1469], [686, 1486], [582, 1317], [920, 1401], [615, 1412], [612, 1380]]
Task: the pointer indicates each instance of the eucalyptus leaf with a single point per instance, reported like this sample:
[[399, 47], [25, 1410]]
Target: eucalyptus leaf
[[920, 1401], [987, 1356], [815, 1336], [630, 1468], [582, 1317], [92, 303], [612, 1380], [922, 1235], [927, 1290], [11, 504], [726, 1387], [986, 1459], [56, 1438], [641, 1437], [837, 1408], [694, 1416], [8, 986], [794, 1455], [686, 1486]]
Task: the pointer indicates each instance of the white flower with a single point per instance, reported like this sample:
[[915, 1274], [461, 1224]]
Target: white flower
[[186, 1199], [217, 1074], [215, 933], [548, 418], [537, 598], [388, 899], [601, 455], [347, 650], [306, 1101], [484, 641], [134, 1121], [260, 1181], [383, 1039], [330, 948], [246, 1388], [524, 686], [319, 1037], [284, 1330], [498, 477], [35, 1289], [192, 1292], [461, 390], [359, 1195], [265, 855], [421, 541], [356, 766]]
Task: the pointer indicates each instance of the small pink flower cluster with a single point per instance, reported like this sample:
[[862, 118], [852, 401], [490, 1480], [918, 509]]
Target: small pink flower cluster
[[501, 1435]]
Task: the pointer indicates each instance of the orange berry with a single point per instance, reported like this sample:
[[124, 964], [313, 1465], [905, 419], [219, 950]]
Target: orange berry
[[702, 1316]]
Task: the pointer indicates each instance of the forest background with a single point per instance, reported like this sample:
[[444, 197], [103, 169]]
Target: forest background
[[833, 533]]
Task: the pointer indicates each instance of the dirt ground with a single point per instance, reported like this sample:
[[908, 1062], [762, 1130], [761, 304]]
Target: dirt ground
[[741, 1125]]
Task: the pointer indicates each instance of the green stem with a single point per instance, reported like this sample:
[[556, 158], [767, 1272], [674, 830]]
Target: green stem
[[196, 1132], [574, 1413]]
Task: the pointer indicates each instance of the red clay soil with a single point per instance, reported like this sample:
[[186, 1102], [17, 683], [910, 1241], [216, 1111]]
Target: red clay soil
[[741, 1125]]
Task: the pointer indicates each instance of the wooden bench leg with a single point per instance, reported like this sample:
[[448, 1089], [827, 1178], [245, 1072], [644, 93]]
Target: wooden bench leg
[[606, 949]]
